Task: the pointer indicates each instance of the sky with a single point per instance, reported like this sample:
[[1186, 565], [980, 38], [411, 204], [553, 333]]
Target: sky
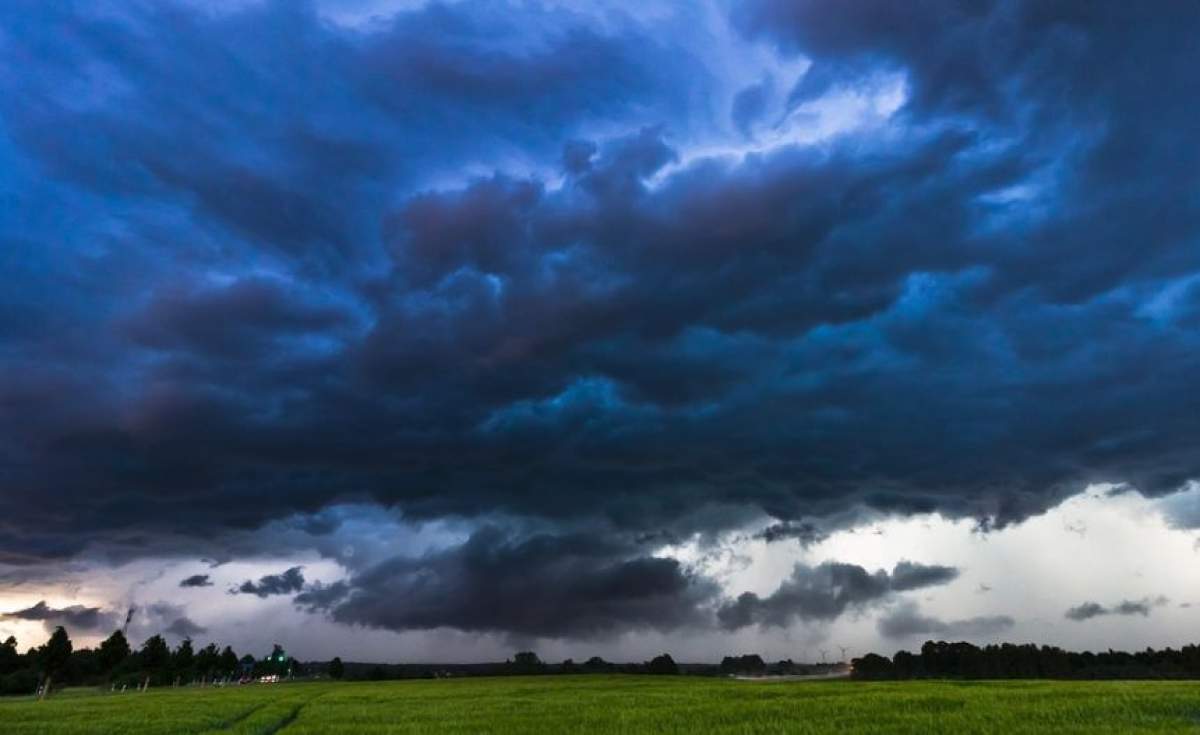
[[432, 331]]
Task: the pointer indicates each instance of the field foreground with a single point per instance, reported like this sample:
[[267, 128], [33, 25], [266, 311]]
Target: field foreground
[[623, 704]]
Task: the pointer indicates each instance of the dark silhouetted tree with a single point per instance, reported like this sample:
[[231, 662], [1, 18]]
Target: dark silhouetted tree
[[906, 666], [207, 661], [229, 662], [113, 651], [595, 664], [10, 659], [336, 668], [527, 662], [183, 661], [872, 666], [155, 660], [54, 657], [662, 664]]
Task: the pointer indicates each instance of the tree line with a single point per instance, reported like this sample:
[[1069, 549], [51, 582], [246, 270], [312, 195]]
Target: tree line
[[524, 663], [116, 664], [57, 663], [942, 660], [528, 663]]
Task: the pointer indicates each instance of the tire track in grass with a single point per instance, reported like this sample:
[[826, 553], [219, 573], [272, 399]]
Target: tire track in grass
[[288, 719], [231, 722], [290, 716], [265, 719], [258, 720]]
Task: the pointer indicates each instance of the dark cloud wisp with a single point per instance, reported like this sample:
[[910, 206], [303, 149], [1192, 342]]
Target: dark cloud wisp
[[75, 617], [286, 582], [184, 627], [907, 621], [1089, 610], [909, 575]]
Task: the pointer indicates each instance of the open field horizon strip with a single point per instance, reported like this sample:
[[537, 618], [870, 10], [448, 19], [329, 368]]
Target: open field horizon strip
[[622, 704]]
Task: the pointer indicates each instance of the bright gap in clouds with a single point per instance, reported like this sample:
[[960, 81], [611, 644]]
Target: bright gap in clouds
[[736, 67], [839, 112], [1099, 546]]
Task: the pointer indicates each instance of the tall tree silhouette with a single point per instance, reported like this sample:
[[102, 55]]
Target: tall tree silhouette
[[10, 659], [183, 661], [54, 657], [155, 659], [113, 650], [207, 661], [229, 662]]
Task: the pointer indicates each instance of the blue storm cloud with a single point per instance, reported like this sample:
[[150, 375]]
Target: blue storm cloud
[[473, 260]]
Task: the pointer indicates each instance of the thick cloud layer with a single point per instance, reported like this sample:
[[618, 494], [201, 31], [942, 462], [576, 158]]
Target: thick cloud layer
[[571, 267], [546, 586]]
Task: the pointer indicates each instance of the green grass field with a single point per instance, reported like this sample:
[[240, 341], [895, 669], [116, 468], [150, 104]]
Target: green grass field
[[622, 704]]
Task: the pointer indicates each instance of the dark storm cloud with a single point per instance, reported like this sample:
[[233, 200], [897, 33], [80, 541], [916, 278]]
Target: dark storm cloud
[[183, 627], [74, 617], [232, 321], [806, 534], [826, 591], [166, 618], [553, 586], [1028, 69], [464, 263], [1089, 610], [1138, 607], [1086, 611], [318, 596], [284, 583], [906, 620], [196, 580], [910, 575]]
